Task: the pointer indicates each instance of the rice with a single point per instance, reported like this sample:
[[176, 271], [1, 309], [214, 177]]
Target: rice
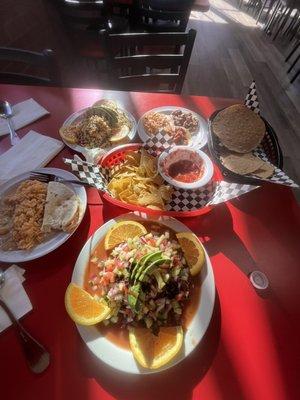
[[28, 202], [94, 132]]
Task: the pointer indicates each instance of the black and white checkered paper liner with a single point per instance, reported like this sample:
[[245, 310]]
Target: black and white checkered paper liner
[[158, 143], [181, 200], [278, 176], [95, 175], [251, 100]]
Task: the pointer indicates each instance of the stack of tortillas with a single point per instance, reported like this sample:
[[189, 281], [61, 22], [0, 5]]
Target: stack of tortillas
[[240, 130], [62, 210]]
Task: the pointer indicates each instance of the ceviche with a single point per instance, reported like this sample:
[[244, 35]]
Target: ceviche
[[145, 281], [139, 279]]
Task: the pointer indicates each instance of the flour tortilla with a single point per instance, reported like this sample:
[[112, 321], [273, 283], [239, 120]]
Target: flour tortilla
[[265, 171], [61, 209], [242, 164], [239, 128]]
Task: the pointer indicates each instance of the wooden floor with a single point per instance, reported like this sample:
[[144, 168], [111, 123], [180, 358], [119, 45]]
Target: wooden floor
[[230, 51]]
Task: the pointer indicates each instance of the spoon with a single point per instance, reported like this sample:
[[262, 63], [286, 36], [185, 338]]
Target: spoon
[[6, 112], [36, 355]]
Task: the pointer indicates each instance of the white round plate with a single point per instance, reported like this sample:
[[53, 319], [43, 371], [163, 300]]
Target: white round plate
[[199, 138], [56, 239], [75, 117], [123, 359]]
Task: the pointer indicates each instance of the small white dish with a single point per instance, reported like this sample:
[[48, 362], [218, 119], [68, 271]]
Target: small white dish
[[178, 153]]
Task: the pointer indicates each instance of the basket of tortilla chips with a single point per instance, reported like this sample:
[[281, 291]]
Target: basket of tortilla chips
[[133, 182]]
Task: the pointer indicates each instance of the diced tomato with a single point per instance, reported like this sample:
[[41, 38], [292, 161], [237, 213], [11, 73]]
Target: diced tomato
[[118, 263], [138, 255], [110, 268], [179, 296], [110, 277]]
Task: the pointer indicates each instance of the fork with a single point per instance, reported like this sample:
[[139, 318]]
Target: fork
[[45, 178]]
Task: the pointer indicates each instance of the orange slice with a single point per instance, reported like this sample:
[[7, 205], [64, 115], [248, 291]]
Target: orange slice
[[193, 251], [83, 308], [122, 231], [153, 351]]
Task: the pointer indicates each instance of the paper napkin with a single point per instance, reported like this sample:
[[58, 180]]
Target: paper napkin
[[14, 295], [24, 113], [31, 152]]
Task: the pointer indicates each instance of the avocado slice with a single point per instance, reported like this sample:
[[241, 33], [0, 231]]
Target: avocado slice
[[151, 267], [160, 282], [113, 114], [141, 270], [110, 115], [132, 266], [133, 296], [141, 267], [136, 266]]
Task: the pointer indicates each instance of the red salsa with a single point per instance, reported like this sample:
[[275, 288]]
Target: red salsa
[[186, 171]]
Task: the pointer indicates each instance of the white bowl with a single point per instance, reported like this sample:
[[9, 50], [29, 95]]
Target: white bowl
[[208, 168]]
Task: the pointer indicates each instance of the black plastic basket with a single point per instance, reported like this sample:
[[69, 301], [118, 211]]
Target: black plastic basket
[[269, 144]]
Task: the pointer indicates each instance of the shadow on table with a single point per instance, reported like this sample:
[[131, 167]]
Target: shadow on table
[[217, 233], [177, 382], [63, 256]]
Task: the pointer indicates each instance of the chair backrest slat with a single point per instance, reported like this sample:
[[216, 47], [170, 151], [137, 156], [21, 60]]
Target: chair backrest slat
[[25, 56], [145, 82], [149, 12], [44, 60], [15, 78], [153, 61], [164, 15], [148, 39]]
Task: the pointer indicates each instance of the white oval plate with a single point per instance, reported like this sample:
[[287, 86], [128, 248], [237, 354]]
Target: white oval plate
[[122, 359], [77, 116], [55, 240], [199, 138]]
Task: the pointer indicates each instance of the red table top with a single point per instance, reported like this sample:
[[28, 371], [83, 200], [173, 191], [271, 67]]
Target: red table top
[[251, 349]]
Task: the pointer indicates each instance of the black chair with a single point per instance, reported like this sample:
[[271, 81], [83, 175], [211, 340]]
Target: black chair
[[267, 4], [134, 65], [296, 60], [33, 63], [281, 16], [82, 22], [161, 16]]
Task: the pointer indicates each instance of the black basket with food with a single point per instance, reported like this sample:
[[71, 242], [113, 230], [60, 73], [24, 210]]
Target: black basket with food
[[227, 158]]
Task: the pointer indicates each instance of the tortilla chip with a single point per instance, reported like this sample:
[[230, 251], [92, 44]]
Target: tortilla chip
[[136, 181]]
